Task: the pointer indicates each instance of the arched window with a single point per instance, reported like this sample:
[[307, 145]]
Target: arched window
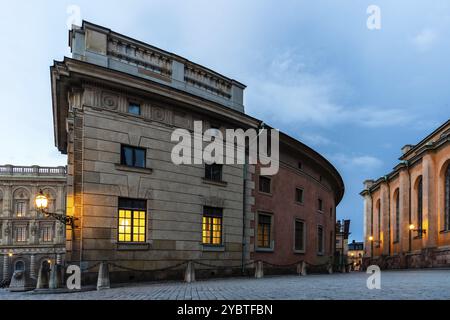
[[420, 206], [21, 200], [379, 219], [397, 216], [447, 199], [19, 266]]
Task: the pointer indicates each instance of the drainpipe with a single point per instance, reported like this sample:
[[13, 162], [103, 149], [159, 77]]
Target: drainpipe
[[386, 179], [244, 199]]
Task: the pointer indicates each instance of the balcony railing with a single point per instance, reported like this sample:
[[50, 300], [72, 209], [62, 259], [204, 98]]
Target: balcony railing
[[10, 170]]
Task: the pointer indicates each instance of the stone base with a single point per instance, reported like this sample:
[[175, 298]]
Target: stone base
[[426, 258], [20, 281]]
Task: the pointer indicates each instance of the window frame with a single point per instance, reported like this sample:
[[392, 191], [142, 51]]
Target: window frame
[[259, 184], [215, 213], [51, 233], [211, 169], [303, 222], [320, 240], [24, 234], [302, 193], [320, 205], [134, 103], [419, 195], [270, 246], [133, 148], [23, 206], [134, 209], [447, 199]]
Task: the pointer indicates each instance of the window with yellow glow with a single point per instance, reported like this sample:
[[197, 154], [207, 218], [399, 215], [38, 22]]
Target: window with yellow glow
[[132, 223], [212, 226], [264, 229]]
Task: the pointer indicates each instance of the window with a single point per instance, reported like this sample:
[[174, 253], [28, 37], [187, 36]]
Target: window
[[213, 172], [47, 233], [379, 221], [447, 199], [212, 226], [264, 229], [300, 165], [132, 220], [397, 216], [320, 239], [21, 208], [19, 266], [319, 204], [331, 212], [419, 206], [132, 157], [299, 236], [299, 195], [134, 108], [264, 184], [20, 233]]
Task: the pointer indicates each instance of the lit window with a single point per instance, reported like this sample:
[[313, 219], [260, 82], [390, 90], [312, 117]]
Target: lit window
[[264, 184], [20, 233], [299, 235], [397, 217], [21, 207], [134, 108], [213, 172], [264, 230], [132, 157], [212, 226], [132, 220], [419, 206]]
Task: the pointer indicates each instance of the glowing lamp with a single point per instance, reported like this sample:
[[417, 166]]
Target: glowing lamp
[[411, 227], [41, 201]]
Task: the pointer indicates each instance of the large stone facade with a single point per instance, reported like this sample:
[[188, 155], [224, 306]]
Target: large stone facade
[[406, 213], [27, 237], [94, 94]]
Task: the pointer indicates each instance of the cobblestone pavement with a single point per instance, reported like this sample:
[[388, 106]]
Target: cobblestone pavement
[[417, 284]]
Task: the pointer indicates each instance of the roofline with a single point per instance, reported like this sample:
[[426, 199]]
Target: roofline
[[418, 145], [173, 55]]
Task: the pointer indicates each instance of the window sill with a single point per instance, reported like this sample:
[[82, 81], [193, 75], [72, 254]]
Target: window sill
[[122, 167], [417, 238], [265, 193], [299, 251], [444, 231], [320, 211], [320, 254], [299, 203], [264, 250], [214, 182], [208, 247], [132, 246]]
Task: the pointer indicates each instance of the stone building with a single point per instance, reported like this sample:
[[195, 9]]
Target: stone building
[[27, 237], [355, 254], [116, 103], [407, 212]]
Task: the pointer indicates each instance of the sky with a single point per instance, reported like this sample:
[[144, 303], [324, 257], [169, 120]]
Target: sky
[[313, 69]]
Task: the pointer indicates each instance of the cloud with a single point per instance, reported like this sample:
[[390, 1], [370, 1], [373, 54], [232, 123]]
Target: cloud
[[425, 39], [292, 91], [315, 139], [365, 162]]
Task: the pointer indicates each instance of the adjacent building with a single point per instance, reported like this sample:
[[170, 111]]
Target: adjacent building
[[407, 212], [355, 254], [116, 103], [28, 238]]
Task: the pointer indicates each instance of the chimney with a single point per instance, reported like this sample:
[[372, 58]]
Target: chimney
[[368, 184]]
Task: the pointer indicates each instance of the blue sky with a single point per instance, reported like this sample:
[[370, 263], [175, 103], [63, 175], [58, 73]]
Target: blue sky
[[313, 69]]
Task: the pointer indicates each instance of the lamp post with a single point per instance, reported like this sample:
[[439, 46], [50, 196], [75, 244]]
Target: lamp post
[[41, 202], [420, 231], [372, 241]]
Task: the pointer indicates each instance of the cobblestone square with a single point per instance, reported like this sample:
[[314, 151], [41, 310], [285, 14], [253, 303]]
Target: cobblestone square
[[411, 284]]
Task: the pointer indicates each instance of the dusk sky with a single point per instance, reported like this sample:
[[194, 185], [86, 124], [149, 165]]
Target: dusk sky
[[312, 69]]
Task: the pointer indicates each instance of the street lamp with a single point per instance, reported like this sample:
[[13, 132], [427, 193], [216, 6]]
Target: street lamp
[[420, 231], [41, 202]]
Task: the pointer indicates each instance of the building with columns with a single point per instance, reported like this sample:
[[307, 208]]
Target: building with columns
[[407, 212], [28, 238]]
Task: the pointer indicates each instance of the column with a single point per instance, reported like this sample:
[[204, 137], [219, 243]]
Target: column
[[5, 267], [384, 209], [404, 210], [58, 259], [33, 266], [430, 216]]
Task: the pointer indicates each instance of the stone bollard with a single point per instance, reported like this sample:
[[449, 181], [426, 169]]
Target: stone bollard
[[259, 270], [56, 280], [42, 281], [189, 275], [103, 276], [303, 269], [330, 268]]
